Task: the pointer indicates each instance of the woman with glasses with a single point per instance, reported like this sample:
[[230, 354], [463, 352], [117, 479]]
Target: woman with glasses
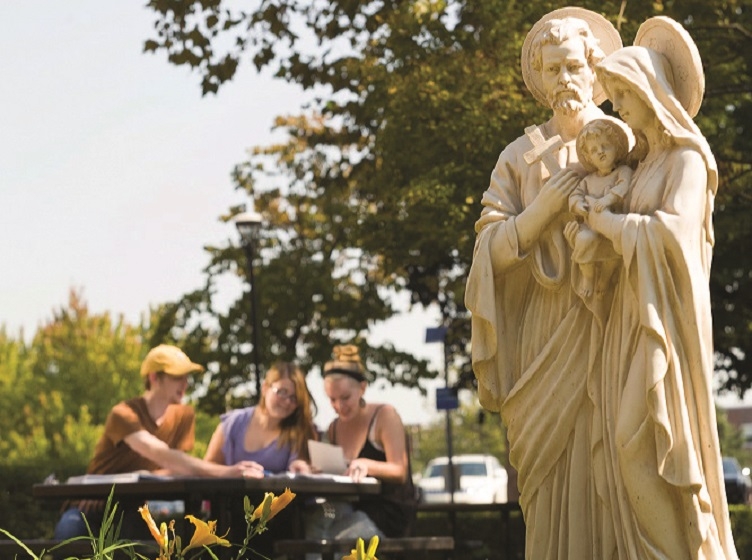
[[274, 433]]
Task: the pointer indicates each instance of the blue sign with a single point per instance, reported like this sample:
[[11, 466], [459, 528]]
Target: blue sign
[[446, 398], [435, 334]]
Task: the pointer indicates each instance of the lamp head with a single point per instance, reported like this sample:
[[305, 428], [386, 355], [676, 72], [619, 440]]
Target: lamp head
[[248, 224]]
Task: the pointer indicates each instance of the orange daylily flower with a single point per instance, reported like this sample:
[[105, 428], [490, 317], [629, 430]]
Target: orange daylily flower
[[152, 525], [268, 497], [278, 503], [160, 535], [205, 534], [359, 552]]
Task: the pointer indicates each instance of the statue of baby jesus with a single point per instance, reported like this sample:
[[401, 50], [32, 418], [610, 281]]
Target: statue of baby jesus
[[602, 148]]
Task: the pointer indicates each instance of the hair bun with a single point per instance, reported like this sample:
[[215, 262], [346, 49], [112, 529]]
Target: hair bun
[[346, 353], [347, 362]]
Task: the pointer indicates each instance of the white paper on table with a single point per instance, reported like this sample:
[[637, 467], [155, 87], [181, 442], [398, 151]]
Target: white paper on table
[[326, 457], [324, 476], [119, 478]]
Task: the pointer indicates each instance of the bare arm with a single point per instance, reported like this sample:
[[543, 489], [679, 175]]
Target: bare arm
[[214, 452], [179, 462], [390, 433]]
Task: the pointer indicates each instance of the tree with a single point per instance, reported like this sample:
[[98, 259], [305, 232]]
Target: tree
[[386, 167], [15, 377], [56, 391], [307, 307], [91, 359], [731, 438]]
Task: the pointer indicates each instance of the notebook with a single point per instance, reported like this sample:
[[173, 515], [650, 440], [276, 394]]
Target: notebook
[[119, 478]]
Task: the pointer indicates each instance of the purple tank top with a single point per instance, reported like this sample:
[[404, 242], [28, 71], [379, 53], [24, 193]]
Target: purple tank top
[[273, 458]]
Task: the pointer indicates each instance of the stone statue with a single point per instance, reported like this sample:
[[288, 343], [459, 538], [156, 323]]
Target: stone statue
[[531, 335], [602, 148], [660, 443]]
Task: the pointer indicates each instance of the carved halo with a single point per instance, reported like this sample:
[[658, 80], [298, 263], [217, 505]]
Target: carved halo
[[608, 40], [667, 37]]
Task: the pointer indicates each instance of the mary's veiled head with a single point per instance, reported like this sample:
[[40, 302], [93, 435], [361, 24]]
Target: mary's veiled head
[[664, 69], [664, 72], [643, 68], [648, 75]]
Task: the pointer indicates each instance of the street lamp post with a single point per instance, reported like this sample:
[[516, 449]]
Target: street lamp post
[[249, 225]]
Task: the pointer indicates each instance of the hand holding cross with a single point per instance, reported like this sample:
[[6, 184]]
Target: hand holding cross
[[543, 150]]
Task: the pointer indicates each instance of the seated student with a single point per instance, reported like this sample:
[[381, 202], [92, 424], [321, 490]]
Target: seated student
[[374, 442], [273, 434], [152, 432]]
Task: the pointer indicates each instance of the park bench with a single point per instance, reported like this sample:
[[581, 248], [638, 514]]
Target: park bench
[[508, 540]]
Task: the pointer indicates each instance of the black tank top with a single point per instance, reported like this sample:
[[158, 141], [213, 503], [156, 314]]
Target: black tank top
[[393, 511]]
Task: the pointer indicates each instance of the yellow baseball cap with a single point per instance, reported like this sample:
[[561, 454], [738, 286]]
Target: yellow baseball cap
[[169, 359]]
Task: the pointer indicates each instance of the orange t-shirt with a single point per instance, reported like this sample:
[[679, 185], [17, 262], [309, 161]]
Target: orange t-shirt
[[112, 455]]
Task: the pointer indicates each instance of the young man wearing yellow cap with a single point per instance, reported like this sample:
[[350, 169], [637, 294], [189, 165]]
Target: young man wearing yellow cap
[[152, 432]]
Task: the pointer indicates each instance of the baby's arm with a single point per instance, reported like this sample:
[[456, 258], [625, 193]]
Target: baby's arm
[[606, 202], [617, 192], [577, 204]]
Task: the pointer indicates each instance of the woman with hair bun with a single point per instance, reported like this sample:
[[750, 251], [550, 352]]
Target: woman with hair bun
[[374, 442]]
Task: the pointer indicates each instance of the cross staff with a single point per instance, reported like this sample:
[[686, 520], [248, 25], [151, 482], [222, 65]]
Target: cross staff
[[543, 150]]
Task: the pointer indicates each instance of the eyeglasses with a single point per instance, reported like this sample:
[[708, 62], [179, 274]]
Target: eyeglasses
[[284, 394]]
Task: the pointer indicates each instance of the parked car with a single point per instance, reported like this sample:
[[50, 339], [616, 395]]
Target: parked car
[[738, 482], [478, 479], [166, 510]]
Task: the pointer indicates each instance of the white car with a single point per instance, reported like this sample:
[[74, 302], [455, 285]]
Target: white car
[[479, 479], [166, 510]]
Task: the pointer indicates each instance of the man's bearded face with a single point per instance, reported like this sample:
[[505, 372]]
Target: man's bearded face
[[567, 78], [568, 100]]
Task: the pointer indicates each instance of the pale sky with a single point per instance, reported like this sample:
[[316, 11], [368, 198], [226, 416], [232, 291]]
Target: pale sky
[[114, 170]]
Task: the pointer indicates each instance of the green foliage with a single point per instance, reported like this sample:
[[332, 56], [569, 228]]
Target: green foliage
[[20, 513], [92, 359], [741, 528], [15, 376], [313, 290], [57, 390], [731, 439], [51, 433], [205, 426], [106, 544]]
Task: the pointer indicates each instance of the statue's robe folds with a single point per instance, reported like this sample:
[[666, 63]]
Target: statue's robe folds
[[531, 353], [661, 441]]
